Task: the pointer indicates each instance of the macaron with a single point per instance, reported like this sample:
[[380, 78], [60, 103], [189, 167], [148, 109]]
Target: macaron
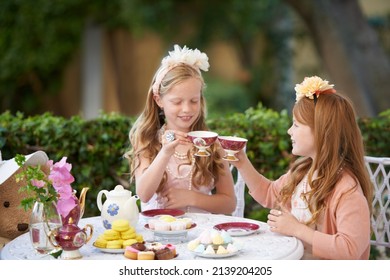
[[114, 244], [139, 237], [129, 242], [100, 243], [110, 234], [129, 233], [120, 225]]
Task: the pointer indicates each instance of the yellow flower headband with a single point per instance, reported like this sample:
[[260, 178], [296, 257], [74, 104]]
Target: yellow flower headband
[[193, 58], [312, 87]]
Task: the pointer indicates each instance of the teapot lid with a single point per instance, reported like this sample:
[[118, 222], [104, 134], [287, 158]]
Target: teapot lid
[[119, 190]]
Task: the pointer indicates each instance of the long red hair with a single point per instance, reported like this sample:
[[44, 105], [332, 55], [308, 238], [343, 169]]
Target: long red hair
[[339, 148]]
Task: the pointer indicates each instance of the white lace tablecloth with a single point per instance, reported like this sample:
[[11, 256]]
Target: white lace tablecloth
[[263, 244]]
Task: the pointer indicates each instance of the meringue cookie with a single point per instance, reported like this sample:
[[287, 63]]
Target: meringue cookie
[[209, 250]]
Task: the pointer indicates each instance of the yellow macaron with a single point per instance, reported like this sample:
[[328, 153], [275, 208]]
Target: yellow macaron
[[129, 242], [128, 234], [110, 234], [114, 244], [120, 225], [139, 237], [100, 243]]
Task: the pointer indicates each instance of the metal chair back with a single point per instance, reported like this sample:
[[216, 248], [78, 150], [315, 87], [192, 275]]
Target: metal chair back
[[379, 170]]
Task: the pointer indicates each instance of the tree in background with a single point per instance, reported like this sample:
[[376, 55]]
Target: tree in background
[[350, 51], [38, 38]]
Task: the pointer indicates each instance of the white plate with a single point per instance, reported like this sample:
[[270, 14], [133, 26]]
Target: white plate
[[111, 251], [170, 232], [215, 256]]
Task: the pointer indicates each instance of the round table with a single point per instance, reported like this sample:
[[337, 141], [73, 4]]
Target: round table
[[262, 245]]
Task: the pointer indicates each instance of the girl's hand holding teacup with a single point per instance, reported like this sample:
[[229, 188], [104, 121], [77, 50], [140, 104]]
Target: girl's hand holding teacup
[[173, 138]]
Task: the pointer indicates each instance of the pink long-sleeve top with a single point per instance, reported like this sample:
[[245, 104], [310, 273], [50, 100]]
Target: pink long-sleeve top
[[343, 230]]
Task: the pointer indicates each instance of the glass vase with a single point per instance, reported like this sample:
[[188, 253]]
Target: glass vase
[[45, 220]]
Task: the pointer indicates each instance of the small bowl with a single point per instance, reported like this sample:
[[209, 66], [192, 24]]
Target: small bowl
[[232, 145], [202, 140]]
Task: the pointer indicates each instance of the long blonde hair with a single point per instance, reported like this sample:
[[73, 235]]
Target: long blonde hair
[[145, 133], [339, 148]]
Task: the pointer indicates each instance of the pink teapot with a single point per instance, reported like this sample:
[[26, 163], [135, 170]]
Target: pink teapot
[[119, 204], [70, 238]]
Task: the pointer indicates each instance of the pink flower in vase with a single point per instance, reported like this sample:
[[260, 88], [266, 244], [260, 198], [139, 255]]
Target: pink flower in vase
[[61, 179], [54, 187]]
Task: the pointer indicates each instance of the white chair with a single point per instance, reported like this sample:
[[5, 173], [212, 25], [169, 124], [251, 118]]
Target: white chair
[[239, 190], [379, 170]]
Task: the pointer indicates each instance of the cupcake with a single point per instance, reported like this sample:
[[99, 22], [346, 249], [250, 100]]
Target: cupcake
[[146, 255], [155, 246], [131, 253], [172, 248], [139, 246], [164, 254]]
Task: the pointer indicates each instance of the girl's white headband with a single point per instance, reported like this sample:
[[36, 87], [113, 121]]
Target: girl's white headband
[[194, 58]]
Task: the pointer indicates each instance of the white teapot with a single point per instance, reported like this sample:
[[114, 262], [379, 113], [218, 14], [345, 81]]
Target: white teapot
[[118, 205]]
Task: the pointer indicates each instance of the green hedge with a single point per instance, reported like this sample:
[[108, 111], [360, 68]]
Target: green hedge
[[96, 147]]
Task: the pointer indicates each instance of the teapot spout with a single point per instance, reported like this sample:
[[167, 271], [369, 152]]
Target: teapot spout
[[83, 194], [132, 211]]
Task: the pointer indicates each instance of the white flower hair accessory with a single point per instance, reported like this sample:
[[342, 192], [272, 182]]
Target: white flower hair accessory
[[312, 87], [193, 58]]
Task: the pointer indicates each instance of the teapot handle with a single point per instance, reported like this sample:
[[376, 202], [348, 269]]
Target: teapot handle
[[90, 227], [51, 236], [99, 199]]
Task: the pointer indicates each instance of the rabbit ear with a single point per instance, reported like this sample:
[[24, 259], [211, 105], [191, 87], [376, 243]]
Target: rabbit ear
[[9, 167]]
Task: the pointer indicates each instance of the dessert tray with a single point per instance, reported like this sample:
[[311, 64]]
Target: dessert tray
[[170, 232], [238, 228], [159, 212]]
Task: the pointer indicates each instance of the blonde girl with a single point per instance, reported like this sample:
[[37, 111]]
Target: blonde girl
[[166, 172], [325, 197]]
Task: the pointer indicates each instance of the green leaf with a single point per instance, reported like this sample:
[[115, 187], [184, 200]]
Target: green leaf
[[56, 254]]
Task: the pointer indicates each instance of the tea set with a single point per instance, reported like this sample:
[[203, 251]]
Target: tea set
[[119, 203]]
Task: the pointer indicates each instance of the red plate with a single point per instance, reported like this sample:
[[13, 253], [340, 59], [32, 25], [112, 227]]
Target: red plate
[[238, 228], [158, 212]]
